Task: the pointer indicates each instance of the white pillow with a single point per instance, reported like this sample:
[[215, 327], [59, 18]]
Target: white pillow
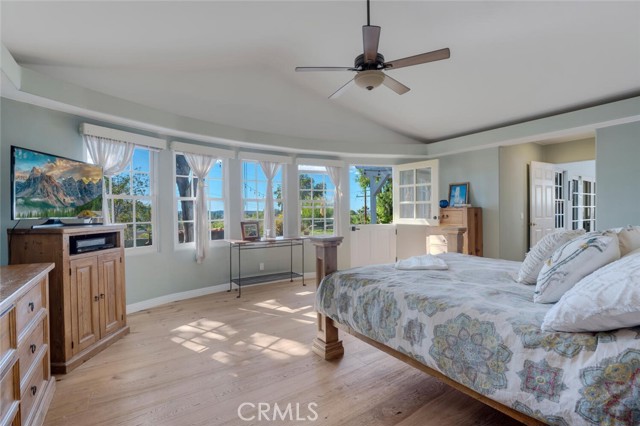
[[533, 262], [636, 251], [629, 238], [572, 262], [605, 300]]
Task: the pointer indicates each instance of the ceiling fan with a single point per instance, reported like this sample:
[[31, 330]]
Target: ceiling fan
[[370, 64]]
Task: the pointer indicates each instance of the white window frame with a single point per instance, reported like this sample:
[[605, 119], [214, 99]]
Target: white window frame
[[177, 245], [433, 201], [317, 170], [152, 197]]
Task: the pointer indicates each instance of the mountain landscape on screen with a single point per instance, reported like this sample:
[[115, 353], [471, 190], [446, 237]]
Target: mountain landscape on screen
[[48, 186]]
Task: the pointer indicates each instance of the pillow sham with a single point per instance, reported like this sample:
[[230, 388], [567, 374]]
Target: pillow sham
[[534, 260], [573, 261], [629, 238], [608, 299]]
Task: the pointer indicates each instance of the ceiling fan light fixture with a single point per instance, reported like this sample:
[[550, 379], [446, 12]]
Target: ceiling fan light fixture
[[369, 79]]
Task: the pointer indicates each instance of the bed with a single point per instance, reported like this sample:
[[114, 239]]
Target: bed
[[476, 328]]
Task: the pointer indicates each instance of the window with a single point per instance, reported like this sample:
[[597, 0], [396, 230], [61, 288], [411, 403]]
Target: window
[[365, 208], [317, 194], [415, 189], [131, 198], [254, 194], [186, 185]]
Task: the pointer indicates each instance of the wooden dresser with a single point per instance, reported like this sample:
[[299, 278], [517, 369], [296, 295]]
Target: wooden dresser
[[467, 217], [26, 384], [87, 287]]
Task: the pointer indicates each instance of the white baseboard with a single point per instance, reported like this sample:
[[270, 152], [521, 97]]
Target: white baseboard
[[190, 294]]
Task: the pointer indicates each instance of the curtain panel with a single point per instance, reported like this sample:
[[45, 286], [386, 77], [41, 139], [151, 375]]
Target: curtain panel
[[335, 174], [114, 156], [270, 170], [201, 166]]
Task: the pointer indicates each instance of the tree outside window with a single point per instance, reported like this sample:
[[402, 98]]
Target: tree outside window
[[130, 198], [360, 208], [317, 194], [186, 184]]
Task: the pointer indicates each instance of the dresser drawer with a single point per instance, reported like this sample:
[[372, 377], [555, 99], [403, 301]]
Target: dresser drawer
[[30, 348], [452, 217], [7, 337], [9, 394], [33, 390], [29, 305]]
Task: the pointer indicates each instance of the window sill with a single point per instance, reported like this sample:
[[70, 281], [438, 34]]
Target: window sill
[[137, 251]]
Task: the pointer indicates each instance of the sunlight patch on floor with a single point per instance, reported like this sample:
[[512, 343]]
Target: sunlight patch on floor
[[304, 293]]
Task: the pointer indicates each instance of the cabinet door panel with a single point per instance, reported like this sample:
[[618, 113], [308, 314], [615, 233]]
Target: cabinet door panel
[[85, 316], [111, 293]]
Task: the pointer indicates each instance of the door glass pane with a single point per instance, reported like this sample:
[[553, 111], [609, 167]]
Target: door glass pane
[[423, 176], [423, 193], [406, 194], [423, 211], [406, 177], [406, 211]]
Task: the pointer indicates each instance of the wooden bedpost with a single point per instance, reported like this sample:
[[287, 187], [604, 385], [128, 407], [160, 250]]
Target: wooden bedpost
[[326, 344], [453, 234]]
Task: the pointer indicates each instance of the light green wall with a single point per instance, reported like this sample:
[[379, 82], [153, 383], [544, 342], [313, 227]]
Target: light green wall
[[514, 198], [568, 152], [170, 270], [480, 169], [618, 175]]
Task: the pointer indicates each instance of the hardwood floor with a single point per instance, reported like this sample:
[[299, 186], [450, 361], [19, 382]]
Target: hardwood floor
[[196, 362]]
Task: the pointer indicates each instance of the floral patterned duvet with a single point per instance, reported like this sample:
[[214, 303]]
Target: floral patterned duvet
[[478, 326]]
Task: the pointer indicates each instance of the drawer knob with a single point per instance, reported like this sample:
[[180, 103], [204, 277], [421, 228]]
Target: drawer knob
[[31, 306], [101, 295], [96, 298], [34, 389], [33, 348]]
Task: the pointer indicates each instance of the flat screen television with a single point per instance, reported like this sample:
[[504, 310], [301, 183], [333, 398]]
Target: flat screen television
[[46, 186]]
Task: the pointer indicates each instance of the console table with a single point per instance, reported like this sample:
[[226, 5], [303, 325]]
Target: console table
[[280, 242]]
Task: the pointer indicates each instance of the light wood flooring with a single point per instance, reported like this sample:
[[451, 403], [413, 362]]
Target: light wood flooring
[[195, 362]]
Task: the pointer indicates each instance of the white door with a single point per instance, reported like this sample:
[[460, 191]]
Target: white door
[[372, 244], [541, 200]]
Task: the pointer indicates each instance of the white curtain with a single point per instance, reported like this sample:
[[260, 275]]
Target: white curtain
[[335, 174], [114, 156], [270, 170], [200, 166]]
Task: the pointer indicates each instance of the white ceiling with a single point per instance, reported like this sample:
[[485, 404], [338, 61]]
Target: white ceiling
[[232, 62]]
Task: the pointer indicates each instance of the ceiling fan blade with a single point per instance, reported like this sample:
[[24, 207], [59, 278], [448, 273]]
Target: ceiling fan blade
[[370, 40], [395, 85], [436, 55], [341, 90], [325, 69]]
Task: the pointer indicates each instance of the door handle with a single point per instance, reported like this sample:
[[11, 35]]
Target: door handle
[[355, 228]]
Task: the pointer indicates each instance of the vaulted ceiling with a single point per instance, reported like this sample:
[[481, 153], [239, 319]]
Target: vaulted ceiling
[[233, 62]]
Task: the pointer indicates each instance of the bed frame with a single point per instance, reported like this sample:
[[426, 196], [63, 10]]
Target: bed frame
[[328, 345]]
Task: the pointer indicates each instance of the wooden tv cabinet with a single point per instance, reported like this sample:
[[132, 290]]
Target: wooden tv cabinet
[[86, 287]]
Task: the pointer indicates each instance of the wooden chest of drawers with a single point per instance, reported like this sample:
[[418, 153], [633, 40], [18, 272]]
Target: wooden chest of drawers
[[467, 217], [25, 379]]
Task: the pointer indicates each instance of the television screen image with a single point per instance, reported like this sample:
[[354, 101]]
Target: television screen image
[[49, 186]]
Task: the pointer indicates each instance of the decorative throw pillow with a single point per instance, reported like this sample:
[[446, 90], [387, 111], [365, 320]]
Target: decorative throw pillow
[[534, 260], [605, 300], [629, 238], [572, 262], [636, 251]]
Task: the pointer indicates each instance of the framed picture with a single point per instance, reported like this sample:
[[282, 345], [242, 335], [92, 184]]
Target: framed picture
[[458, 194], [250, 230]]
